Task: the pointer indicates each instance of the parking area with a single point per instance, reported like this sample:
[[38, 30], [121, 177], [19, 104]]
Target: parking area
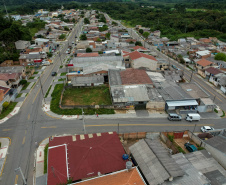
[[181, 141]]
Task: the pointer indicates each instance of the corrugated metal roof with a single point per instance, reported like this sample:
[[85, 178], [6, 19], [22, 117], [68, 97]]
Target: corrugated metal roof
[[149, 164], [165, 158], [90, 153], [182, 103], [218, 142]]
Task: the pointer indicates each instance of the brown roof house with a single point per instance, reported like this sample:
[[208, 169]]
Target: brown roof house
[[138, 60], [11, 79], [203, 64], [132, 88], [214, 75]]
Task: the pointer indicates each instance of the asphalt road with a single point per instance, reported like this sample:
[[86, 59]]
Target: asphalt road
[[32, 125]]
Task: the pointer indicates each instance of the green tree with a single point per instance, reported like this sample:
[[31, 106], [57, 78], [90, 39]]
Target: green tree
[[5, 105], [138, 43], [23, 82], [62, 36], [86, 21], [104, 28], [66, 28], [98, 40], [49, 54], [146, 34], [141, 31], [83, 37], [220, 56], [108, 35], [89, 50]]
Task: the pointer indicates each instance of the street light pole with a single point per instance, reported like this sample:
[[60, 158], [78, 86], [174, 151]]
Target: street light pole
[[25, 182], [42, 89], [83, 122]]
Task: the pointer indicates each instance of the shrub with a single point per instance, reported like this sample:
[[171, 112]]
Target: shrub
[[5, 105], [201, 148], [23, 82], [62, 36], [45, 157], [181, 150], [215, 110], [171, 138], [88, 50]]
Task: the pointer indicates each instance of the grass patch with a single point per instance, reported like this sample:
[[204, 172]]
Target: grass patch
[[19, 95], [223, 114], [63, 74], [48, 91], [33, 31], [32, 77], [61, 67], [190, 68], [87, 96], [33, 85], [193, 10], [7, 110], [36, 72], [45, 158], [61, 79], [25, 86], [215, 110], [200, 148], [54, 105], [181, 150], [171, 138]]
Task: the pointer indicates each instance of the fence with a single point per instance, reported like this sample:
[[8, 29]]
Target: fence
[[168, 143]]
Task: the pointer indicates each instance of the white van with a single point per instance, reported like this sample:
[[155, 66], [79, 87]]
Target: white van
[[192, 117], [45, 63]]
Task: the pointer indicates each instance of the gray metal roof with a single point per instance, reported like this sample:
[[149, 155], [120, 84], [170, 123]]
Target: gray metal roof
[[114, 77], [192, 175], [98, 59], [206, 164], [149, 164], [218, 142], [165, 158]]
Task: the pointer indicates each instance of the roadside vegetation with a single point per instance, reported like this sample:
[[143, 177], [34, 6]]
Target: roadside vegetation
[[47, 93], [7, 108], [46, 158]]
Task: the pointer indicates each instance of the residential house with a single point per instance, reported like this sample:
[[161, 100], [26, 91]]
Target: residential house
[[22, 44], [220, 63], [211, 74], [41, 41], [133, 88], [138, 60], [203, 64], [11, 79], [4, 91], [140, 49], [66, 157], [203, 54], [85, 81]]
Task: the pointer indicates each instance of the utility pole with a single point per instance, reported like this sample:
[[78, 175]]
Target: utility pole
[[6, 10], [42, 89], [83, 122], [25, 182], [214, 98], [191, 76], [193, 132]]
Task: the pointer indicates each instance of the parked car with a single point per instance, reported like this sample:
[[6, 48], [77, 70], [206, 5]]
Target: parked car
[[174, 67], [190, 147], [54, 73], [206, 128], [174, 117]]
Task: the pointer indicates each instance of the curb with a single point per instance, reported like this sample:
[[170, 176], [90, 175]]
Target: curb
[[6, 155]]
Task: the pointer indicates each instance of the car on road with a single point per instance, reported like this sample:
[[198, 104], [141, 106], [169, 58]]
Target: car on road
[[190, 147], [54, 73], [174, 67], [206, 128], [174, 117]]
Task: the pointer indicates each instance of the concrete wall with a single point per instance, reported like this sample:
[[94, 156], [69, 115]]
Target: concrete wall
[[144, 62], [155, 105], [223, 89]]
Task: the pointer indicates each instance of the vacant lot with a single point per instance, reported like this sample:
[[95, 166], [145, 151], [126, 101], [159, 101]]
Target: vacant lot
[[87, 96]]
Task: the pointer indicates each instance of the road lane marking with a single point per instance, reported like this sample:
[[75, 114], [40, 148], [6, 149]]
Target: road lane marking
[[51, 116], [50, 127], [6, 130], [23, 140], [16, 179], [36, 95], [151, 124], [28, 117]]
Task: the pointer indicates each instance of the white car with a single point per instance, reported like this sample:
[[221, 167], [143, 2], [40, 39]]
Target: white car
[[206, 128]]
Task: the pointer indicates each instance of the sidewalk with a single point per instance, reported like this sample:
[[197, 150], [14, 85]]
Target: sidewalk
[[5, 142], [129, 114], [39, 177]]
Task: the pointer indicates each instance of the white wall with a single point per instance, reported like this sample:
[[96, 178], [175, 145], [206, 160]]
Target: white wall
[[144, 62]]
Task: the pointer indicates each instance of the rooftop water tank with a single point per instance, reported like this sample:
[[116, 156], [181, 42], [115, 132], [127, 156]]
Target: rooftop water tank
[[125, 156], [129, 165]]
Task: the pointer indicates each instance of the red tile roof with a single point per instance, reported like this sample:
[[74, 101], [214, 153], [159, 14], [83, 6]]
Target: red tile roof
[[57, 165], [135, 55], [203, 62], [139, 47], [4, 89], [87, 55], [7, 76], [135, 76], [89, 154], [131, 177], [213, 70]]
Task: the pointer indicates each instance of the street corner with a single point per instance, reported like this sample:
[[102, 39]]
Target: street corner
[[5, 142], [46, 107]]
